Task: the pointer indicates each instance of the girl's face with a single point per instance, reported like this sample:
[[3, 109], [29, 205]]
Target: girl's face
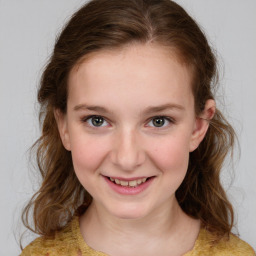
[[130, 125]]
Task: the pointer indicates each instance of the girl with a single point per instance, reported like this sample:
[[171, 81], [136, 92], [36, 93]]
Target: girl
[[132, 143]]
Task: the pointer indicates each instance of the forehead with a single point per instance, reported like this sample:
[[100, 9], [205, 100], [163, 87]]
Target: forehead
[[148, 71], [143, 51]]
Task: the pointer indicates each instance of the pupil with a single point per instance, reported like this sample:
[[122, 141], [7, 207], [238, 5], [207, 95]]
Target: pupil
[[97, 121], [158, 122]]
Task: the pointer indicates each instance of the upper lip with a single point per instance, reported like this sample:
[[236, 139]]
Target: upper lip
[[128, 179]]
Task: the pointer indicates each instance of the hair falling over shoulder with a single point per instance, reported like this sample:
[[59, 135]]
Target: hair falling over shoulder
[[110, 24]]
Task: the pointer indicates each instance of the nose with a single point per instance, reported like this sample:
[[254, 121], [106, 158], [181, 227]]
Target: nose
[[127, 151]]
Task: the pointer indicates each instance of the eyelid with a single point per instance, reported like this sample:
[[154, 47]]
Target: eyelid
[[86, 118], [169, 119]]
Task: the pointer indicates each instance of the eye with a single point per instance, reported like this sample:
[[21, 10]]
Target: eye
[[160, 121], [96, 121]]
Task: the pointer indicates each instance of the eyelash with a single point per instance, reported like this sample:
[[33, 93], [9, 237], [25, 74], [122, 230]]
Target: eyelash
[[168, 119], [87, 118]]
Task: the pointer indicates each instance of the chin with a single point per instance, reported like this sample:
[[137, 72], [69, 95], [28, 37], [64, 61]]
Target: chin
[[128, 212]]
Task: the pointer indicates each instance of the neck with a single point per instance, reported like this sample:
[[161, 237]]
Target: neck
[[102, 230], [162, 219]]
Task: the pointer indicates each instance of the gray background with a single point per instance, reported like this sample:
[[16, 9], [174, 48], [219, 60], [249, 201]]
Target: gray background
[[27, 33]]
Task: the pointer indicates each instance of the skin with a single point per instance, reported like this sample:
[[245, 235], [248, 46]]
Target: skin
[[128, 83]]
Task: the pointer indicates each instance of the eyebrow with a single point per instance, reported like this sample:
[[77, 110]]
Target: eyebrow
[[148, 110], [92, 108], [164, 107]]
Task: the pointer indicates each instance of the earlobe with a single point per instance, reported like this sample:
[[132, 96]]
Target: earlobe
[[63, 128], [202, 124]]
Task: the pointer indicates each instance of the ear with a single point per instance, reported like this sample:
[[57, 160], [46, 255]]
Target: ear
[[202, 124], [61, 120]]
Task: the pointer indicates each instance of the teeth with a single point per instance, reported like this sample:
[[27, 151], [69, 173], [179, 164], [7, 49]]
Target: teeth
[[124, 183], [132, 183]]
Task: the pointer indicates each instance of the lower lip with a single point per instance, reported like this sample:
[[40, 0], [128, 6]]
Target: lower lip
[[129, 190]]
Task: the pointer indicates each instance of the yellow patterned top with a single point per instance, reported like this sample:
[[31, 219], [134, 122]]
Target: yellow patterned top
[[69, 242]]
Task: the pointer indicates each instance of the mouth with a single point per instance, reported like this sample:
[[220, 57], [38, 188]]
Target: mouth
[[131, 186], [129, 183]]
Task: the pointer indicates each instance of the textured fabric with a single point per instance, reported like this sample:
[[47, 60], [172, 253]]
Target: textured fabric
[[69, 242]]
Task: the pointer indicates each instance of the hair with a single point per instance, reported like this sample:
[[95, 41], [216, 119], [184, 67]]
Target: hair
[[112, 24]]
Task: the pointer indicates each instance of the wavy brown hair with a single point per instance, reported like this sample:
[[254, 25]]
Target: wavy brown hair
[[112, 24]]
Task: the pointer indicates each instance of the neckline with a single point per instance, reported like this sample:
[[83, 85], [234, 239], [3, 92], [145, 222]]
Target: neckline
[[86, 249], [83, 246]]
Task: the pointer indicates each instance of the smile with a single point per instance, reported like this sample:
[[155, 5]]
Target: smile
[[131, 183], [131, 186]]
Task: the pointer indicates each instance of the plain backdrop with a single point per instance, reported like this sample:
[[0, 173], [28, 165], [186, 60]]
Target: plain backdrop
[[27, 33]]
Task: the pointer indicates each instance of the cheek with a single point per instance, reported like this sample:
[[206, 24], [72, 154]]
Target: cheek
[[171, 154], [87, 154]]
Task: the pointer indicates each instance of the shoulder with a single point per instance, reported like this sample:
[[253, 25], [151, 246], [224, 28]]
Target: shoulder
[[241, 245], [233, 246], [62, 244], [237, 246]]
